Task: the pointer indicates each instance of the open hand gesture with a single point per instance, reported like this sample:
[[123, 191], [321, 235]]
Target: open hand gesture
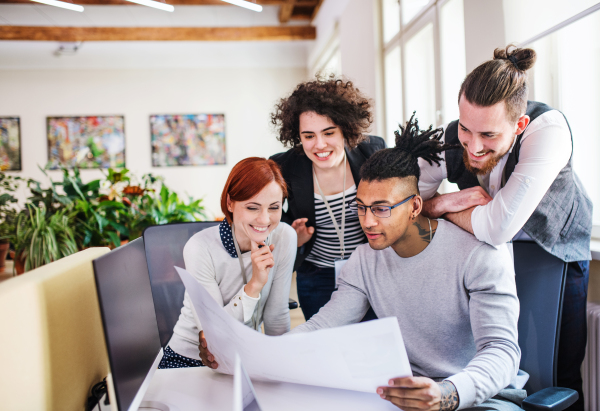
[[304, 233]]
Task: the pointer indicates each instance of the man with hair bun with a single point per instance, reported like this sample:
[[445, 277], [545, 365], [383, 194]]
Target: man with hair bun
[[457, 308], [514, 168]]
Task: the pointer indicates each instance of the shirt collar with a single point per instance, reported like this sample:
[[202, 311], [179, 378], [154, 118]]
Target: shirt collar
[[227, 238]]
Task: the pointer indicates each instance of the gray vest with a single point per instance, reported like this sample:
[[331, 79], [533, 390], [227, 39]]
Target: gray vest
[[562, 222]]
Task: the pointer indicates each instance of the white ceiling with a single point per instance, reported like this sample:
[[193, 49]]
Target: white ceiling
[[126, 54]]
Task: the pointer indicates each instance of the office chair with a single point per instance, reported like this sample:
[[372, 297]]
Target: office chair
[[164, 249], [540, 279]]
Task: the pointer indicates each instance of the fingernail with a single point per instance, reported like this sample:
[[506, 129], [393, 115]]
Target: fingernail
[[379, 391], [391, 382]]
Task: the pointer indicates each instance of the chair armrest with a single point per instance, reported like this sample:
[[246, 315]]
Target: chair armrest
[[292, 304], [550, 399]]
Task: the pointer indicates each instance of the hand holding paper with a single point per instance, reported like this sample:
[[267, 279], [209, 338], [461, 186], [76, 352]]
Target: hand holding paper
[[357, 357]]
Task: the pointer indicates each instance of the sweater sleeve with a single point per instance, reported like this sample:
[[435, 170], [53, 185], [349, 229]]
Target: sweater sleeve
[[494, 312], [276, 315], [348, 304], [199, 264]]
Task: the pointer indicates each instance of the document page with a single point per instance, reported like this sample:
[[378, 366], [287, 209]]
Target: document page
[[358, 357]]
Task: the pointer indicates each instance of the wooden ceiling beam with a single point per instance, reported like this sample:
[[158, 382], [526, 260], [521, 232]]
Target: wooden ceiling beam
[[286, 10], [72, 34]]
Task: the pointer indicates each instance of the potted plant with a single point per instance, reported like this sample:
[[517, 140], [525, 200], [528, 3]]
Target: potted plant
[[41, 238], [8, 214]]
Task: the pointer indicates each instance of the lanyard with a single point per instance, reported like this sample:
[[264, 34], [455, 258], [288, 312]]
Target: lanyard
[[340, 233], [239, 255]]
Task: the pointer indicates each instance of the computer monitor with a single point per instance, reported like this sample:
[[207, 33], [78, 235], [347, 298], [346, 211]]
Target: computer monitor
[[129, 321]]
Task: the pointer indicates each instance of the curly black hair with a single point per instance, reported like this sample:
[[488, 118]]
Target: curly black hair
[[334, 98], [402, 160]]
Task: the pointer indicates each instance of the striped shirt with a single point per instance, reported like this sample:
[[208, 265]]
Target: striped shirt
[[327, 244]]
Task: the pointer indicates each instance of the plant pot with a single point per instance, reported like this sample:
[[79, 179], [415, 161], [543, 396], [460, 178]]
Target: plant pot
[[19, 264], [3, 253]]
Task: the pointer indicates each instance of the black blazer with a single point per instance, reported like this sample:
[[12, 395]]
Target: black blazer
[[296, 169]]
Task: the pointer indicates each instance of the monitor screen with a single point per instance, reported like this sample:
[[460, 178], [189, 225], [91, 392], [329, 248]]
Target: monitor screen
[[128, 317]]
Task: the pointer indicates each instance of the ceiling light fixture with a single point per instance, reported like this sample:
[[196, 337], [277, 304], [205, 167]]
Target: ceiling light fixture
[[62, 4], [156, 4], [245, 4]]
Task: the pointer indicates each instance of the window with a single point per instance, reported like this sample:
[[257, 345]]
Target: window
[[393, 93], [453, 56], [391, 19], [424, 63], [571, 84], [411, 8], [420, 77]]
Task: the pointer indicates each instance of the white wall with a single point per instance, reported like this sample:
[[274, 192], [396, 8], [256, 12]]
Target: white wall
[[245, 95], [356, 22]]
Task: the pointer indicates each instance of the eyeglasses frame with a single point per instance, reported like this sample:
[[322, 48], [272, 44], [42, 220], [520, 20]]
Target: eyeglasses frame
[[379, 205]]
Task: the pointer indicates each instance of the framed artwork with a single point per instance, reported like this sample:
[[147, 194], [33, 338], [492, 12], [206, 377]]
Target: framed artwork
[[10, 144], [187, 139], [87, 142]]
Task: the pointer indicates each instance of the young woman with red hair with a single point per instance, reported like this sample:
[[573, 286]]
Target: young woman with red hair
[[245, 263]]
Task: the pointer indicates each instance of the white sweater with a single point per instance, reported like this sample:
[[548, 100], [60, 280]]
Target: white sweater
[[208, 261]]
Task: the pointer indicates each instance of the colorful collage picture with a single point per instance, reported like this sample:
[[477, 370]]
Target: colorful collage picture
[[10, 144], [86, 142], [187, 139]]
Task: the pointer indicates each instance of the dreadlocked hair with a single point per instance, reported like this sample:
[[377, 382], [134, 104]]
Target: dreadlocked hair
[[402, 160]]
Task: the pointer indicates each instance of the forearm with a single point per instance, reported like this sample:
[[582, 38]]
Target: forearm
[[348, 305], [461, 219], [449, 397], [433, 208]]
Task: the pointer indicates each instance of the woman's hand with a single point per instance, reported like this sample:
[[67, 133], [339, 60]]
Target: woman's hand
[[207, 358], [304, 233], [262, 262]]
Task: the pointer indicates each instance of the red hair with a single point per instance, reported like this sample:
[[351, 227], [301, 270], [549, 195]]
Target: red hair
[[247, 179]]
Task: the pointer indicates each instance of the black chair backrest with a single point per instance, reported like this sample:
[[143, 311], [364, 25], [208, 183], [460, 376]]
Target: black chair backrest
[[540, 279], [164, 250]]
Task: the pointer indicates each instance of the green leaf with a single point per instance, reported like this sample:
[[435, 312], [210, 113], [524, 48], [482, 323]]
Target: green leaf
[[114, 238]]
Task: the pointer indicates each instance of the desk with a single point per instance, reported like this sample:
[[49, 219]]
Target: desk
[[202, 389]]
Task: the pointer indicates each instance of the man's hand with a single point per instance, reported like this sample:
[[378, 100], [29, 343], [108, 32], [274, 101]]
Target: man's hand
[[420, 394], [304, 232], [207, 358], [439, 205]]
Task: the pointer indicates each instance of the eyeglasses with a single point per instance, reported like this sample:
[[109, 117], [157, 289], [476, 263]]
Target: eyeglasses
[[380, 211]]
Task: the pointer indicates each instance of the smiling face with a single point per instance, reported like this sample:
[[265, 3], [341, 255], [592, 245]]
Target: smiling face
[[486, 134], [256, 218], [386, 232], [322, 140]]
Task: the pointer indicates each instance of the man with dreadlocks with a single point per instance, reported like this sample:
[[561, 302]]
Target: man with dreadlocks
[[456, 306]]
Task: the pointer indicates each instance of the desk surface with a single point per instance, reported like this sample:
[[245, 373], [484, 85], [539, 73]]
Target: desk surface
[[202, 389]]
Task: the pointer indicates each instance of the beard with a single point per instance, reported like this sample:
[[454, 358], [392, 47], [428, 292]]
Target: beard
[[486, 167]]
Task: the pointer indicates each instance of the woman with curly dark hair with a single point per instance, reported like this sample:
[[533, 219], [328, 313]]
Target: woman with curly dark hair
[[324, 121]]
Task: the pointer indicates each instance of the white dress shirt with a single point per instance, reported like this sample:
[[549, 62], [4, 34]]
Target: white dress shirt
[[546, 148]]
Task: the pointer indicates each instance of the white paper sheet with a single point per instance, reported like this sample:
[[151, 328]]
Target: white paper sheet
[[244, 396], [358, 357]]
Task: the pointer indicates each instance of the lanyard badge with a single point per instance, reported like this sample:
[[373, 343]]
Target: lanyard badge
[[339, 262]]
